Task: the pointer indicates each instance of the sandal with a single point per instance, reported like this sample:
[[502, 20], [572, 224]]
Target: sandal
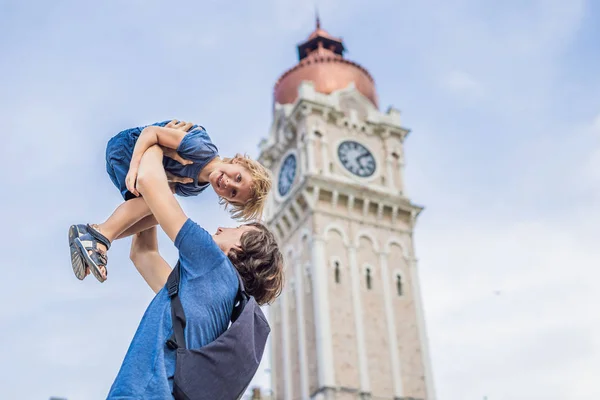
[[77, 262], [88, 241]]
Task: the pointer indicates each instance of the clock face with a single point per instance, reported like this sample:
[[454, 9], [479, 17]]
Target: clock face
[[287, 173], [356, 158]]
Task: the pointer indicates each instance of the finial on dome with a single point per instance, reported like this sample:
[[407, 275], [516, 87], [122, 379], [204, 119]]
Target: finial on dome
[[318, 20]]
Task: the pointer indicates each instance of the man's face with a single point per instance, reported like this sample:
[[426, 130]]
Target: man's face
[[228, 238], [233, 182]]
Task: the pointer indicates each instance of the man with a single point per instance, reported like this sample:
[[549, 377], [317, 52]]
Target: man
[[208, 283]]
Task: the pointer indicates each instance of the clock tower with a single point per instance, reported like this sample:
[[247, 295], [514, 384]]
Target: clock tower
[[350, 323]]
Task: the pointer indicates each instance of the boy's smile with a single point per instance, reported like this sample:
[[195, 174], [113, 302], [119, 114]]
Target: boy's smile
[[232, 182]]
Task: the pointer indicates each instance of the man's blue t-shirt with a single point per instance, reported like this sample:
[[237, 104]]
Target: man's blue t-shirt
[[207, 290], [195, 146]]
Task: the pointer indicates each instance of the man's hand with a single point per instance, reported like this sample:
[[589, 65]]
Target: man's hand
[[131, 180], [174, 180], [172, 153], [181, 125], [177, 179], [168, 137]]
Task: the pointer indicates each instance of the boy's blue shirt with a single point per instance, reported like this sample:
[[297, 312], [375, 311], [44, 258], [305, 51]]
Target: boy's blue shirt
[[195, 146]]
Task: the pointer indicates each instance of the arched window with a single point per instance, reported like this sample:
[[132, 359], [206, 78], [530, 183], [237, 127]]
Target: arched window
[[337, 272], [399, 284], [369, 278]]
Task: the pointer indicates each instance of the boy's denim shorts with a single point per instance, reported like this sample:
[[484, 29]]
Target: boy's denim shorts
[[118, 157]]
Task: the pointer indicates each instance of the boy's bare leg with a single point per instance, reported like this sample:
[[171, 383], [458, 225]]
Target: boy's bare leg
[[150, 221], [125, 216], [140, 226]]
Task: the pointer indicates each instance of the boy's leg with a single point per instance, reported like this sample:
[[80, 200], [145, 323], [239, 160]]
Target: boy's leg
[[149, 221], [140, 226], [125, 216]]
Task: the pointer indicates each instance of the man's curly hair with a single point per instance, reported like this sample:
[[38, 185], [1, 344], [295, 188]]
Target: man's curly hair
[[260, 263]]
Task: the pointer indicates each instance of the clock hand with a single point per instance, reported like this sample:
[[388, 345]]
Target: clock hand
[[364, 153], [361, 157]]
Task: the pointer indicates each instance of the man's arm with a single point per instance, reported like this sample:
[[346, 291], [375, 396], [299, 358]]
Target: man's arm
[[152, 184], [148, 261]]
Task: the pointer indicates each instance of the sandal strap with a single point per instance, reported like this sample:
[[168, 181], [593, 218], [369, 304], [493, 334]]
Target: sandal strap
[[103, 258], [97, 254], [100, 237], [99, 258]]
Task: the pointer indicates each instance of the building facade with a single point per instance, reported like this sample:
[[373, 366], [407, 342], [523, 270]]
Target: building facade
[[349, 324]]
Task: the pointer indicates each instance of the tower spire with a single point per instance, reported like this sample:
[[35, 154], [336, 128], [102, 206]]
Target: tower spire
[[317, 19]]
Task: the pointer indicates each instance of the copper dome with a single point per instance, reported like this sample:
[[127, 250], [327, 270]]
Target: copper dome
[[322, 62]]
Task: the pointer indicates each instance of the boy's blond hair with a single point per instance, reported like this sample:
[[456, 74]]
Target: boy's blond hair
[[261, 186]]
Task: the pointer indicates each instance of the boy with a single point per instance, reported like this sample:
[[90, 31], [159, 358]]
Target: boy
[[192, 164]]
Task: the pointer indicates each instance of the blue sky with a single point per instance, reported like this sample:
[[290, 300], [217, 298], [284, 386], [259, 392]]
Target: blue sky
[[502, 101]]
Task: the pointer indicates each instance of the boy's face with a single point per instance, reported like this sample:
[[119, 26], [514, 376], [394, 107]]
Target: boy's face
[[228, 238], [233, 182]]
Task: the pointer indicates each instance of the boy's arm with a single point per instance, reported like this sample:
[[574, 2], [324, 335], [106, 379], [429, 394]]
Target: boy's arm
[[152, 184], [169, 137], [148, 261]]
